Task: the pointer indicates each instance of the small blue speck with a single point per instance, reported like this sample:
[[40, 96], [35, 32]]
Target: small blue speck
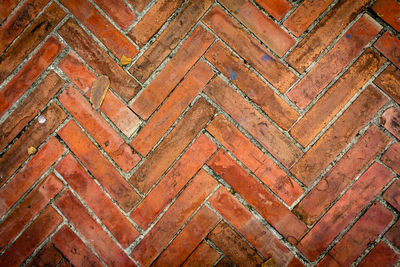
[[348, 36], [265, 57], [233, 76]]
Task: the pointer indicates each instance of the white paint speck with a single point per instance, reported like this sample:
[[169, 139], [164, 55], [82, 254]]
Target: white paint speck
[[41, 119]]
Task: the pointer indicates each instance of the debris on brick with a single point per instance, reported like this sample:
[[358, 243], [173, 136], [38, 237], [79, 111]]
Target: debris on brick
[[99, 90], [31, 150], [125, 60]]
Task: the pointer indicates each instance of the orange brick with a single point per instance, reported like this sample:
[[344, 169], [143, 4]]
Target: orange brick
[[139, 5], [250, 49], [349, 46], [391, 158], [47, 256], [380, 255], [389, 46], [389, 81], [118, 11], [389, 11], [172, 73], [277, 8], [204, 255], [338, 135], [99, 166], [6, 7], [391, 121], [392, 195]]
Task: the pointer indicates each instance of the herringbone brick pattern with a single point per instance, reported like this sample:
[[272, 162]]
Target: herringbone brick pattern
[[242, 133]]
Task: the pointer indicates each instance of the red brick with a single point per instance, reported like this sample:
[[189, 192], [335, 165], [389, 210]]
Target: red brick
[[304, 15], [34, 135], [256, 195], [344, 211], [139, 5], [153, 20], [392, 195], [349, 46], [159, 236], [34, 202], [248, 226], [176, 103], [380, 255], [204, 255], [97, 200], [31, 37], [105, 247], [99, 129], [29, 73], [338, 135], [391, 121], [224, 262], [389, 46], [170, 38], [28, 175], [389, 11], [233, 246], [271, 103], [393, 234], [73, 248], [391, 158], [99, 166], [263, 27], [319, 38], [170, 148], [6, 7], [172, 73], [389, 81], [190, 237], [31, 238], [18, 21], [250, 49], [118, 11], [341, 175], [47, 256], [99, 60], [324, 110], [277, 8], [252, 121], [175, 179], [28, 109]]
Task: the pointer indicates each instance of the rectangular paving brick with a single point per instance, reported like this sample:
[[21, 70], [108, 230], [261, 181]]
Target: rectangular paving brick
[[159, 236], [391, 158], [204, 255], [139, 5], [391, 121], [277, 8], [118, 11], [174, 180], [393, 234], [392, 195], [338, 135], [172, 108], [176, 141], [99, 166], [380, 255], [187, 55], [6, 7], [48, 255], [125, 86], [389, 11], [252, 121], [389, 82], [344, 211], [349, 46], [389, 46]]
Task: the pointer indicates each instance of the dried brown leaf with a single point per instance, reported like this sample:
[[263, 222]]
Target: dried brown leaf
[[99, 90], [125, 60]]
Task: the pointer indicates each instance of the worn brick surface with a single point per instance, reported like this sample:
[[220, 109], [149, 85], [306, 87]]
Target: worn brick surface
[[237, 133]]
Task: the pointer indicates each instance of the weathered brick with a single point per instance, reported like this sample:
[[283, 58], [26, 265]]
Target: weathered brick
[[338, 135], [349, 46], [391, 158], [380, 255], [118, 11], [393, 234], [224, 262], [392, 195], [389, 81], [277, 8], [203, 255], [139, 5], [47, 256], [6, 7], [391, 121], [389, 11], [389, 46]]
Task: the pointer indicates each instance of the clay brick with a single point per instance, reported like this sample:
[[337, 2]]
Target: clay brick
[[153, 20], [47, 256], [250, 49], [392, 195], [118, 11], [139, 5], [176, 141], [99, 60], [263, 27], [304, 15], [224, 262], [6, 7], [391, 121], [349, 46], [344, 211], [338, 135], [97, 200], [28, 109], [34, 135], [389, 82], [324, 33], [389, 11], [248, 226], [77, 215], [28, 175], [277, 8], [341, 175], [391, 158], [389, 46], [158, 237], [252, 121], [29, 73], [99, 129], [324, 110], [172, 73], [393, 234], [233, 246], [380, 255], [170, 38], [31, 238], [262, 166], [99, 166], [31, 37], [33, 203], [190, 237], [271, 103], [175, 179], [204, 255]]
